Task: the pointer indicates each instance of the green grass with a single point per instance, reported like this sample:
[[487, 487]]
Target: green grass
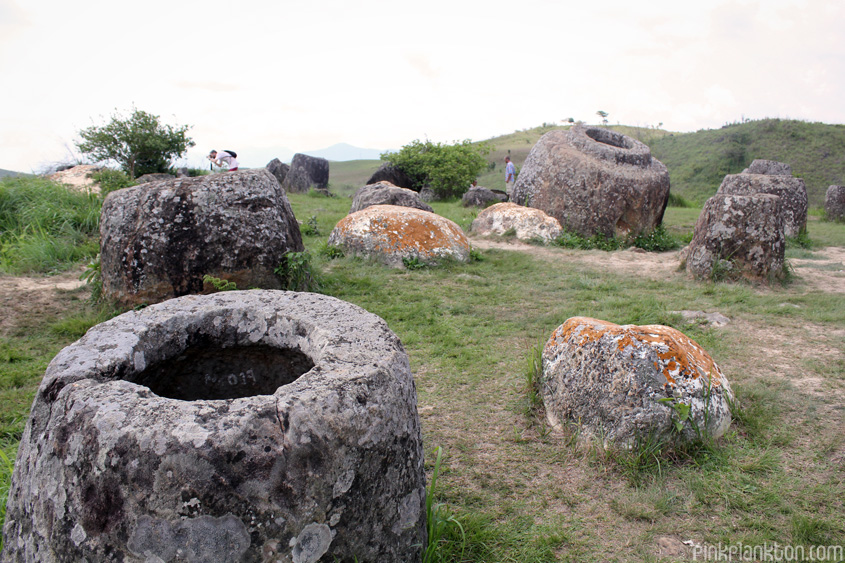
[[346, 177], [45, 227], [524, 493], [698, 162]]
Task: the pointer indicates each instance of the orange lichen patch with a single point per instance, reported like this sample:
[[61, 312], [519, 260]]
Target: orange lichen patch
[[392, 229], [679, 357]]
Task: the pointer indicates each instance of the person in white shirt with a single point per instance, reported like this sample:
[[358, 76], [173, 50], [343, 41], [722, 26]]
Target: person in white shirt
[[225, 159]]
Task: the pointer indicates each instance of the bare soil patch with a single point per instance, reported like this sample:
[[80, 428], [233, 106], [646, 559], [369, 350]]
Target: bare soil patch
[[24, 297]]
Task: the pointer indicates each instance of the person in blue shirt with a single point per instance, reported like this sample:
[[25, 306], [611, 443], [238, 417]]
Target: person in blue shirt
[[510, 176]]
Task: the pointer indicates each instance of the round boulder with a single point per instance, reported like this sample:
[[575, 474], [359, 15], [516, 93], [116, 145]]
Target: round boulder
[[385, 193], [594, 181], [240, 426], [158, 240], [834, 203], [738, 236], [393, 234], [791, 191], [528, 223], [389, 173], [625, 383], [307, 172], [483, 197]]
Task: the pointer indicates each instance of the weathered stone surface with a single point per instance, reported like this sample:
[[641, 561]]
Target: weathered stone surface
[[610, 380], [390, 233], [527, 222], [715, 319], [278, 169], [759, 166], [427, 194], [738, 236], [307, 172], [791, 191], [240, 426], [834, 203], [155, 177], [593, 180], [385, 193], [158, 240], [182, 172], [482, 197], [389, 173]]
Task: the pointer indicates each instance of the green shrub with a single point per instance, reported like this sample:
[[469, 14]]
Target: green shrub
[[140, 144], [446, 169], [310, 227], [298, 273], [657, 240], [112, 180], [219, 284]]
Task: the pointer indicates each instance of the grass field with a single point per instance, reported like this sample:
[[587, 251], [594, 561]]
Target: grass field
[[522, 492]]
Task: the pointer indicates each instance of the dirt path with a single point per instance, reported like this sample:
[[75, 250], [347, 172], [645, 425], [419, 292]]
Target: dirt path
[[22, 297], [825, 272]]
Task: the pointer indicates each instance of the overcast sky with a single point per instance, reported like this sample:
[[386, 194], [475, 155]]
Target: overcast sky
[[258, 76]]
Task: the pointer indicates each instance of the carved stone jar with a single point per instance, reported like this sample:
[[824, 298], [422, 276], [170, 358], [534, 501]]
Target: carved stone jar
[[240, 426]]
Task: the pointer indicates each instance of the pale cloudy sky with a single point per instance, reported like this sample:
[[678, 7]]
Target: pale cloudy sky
[[258, 76]]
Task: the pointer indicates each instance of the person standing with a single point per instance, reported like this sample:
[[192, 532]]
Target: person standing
[[510, 176], [226, 159]]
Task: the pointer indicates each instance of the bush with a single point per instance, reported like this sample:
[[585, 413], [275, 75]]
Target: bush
[[298, 273], [112, 180], [447, 169], [657, 240], [139, 144]]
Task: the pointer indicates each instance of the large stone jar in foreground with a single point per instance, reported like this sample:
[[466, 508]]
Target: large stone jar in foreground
[[594, 181], [621, 384], [159, 240], [241, 426]]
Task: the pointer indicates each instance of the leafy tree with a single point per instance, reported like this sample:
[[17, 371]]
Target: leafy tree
[[140, 144], [603, 115], [446, 169]]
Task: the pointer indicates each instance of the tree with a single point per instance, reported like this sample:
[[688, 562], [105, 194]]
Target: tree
[[446, 169], [139, 143], [603, 115]]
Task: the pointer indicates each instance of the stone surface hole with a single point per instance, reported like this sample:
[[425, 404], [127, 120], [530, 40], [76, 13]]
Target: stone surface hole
[[208, 373], [608, 138]]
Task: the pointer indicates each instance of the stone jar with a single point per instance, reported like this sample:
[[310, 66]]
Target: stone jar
[[161, 239], [594, 181], [242, 426]]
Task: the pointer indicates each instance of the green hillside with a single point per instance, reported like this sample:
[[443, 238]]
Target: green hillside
[[699, 161]]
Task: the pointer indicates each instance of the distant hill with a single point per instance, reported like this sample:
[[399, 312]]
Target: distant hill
[[7, 173], [344, 152], [699, 161]]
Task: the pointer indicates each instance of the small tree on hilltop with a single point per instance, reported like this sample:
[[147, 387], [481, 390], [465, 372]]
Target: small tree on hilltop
[[139, 143], [603, 115], [446, 169]]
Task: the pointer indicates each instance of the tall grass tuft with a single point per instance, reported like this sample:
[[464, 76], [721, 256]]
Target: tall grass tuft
[[441, 525], [44, 226], [7, 464]]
